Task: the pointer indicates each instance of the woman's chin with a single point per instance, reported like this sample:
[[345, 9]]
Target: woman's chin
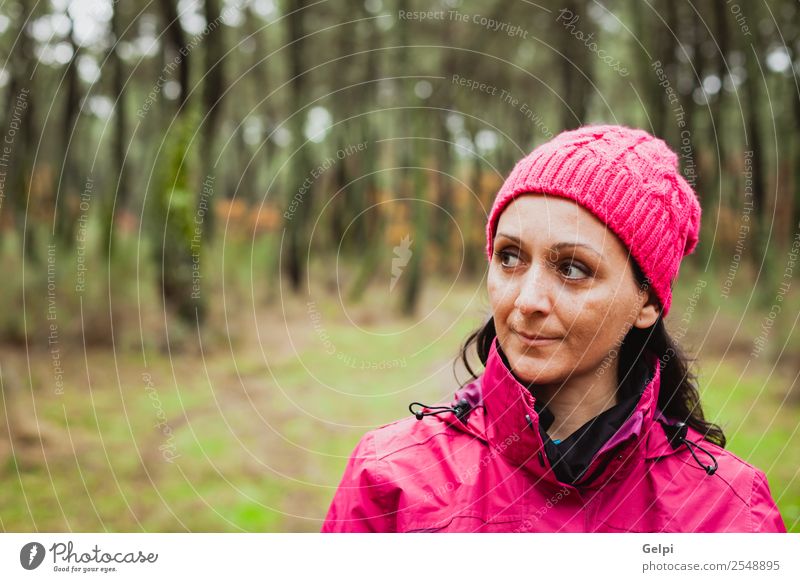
[[530, 369]]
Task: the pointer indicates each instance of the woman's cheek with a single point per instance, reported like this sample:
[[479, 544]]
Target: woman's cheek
[[596, 309], [499, 294], [585, 331], [593, 331]]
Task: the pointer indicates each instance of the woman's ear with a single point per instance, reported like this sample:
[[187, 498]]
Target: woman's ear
[[649, 312]]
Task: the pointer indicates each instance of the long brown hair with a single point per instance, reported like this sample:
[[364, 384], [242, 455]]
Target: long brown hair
[[678, 397]]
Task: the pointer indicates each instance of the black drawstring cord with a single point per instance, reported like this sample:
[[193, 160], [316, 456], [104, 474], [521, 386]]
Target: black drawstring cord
[[461, 410], [677, 436], [708, 468]]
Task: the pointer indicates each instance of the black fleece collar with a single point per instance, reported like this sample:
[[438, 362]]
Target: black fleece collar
[[571, 456]]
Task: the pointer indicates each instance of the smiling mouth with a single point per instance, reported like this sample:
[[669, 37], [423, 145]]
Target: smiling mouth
[[536, 340]]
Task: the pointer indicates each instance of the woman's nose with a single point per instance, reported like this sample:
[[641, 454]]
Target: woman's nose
[[534, 293]]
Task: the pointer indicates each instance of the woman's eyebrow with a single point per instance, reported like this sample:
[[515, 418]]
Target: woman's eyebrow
[[555, 247], [516, 239], [561, 245]]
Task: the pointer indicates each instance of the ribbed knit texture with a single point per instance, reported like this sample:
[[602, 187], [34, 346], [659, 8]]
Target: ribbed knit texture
[[627, 178]]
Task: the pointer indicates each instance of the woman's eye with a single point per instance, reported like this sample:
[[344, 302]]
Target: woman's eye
[[574, 270], [508, 259]]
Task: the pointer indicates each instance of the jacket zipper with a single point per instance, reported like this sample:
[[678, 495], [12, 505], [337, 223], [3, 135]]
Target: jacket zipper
[[600, 467], [544, 461]]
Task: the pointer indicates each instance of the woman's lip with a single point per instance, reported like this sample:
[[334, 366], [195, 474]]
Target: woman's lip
[[536, 341]]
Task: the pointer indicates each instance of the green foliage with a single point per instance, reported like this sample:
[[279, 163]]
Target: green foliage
[[74, 292], [174, 200], [176, 234]]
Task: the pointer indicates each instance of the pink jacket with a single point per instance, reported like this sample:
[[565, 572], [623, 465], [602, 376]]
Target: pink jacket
[[488, 473]]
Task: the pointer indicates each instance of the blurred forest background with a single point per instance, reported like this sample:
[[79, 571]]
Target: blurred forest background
[[237, 234]]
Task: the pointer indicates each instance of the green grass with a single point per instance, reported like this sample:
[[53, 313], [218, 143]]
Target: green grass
[[760, 426], [262, 443]]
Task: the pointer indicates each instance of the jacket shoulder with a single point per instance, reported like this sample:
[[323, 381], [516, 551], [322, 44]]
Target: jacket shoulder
[[406, 434], [731, 468], [735, 483], [754, 486]]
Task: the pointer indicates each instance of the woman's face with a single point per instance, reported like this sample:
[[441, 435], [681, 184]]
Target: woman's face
[[558, 272]]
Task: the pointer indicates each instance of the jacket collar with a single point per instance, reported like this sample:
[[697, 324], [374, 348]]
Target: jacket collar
[[510, 425]]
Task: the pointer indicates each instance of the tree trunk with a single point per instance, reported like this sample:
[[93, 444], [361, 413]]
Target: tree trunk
[[213, 89], [176, 243], [118, 203], [176, 40], [653, 30], [409, 260], [67, 185], [296, 215], [754, 143], [576, 70], [21, 106]]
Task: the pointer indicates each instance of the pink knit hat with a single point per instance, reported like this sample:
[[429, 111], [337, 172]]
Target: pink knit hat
[[628, 179]]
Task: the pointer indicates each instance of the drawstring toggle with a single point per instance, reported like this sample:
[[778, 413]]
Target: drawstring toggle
[[677, 437], [461, 409]]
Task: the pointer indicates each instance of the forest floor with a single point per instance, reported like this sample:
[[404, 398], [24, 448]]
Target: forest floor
[[250, 427]]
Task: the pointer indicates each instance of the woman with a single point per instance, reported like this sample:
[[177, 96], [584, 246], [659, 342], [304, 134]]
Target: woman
[[585, 418]]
